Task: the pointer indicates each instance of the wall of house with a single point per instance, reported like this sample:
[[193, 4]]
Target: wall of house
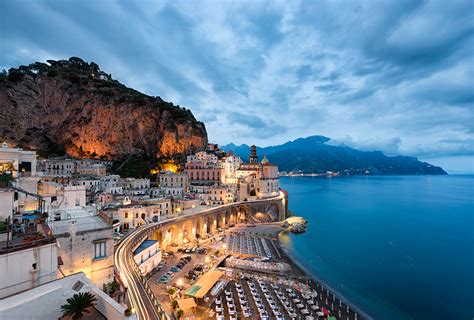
[[16, 268], [77, 254]]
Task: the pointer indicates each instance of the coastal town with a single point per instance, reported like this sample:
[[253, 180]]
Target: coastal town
[[198, 240]]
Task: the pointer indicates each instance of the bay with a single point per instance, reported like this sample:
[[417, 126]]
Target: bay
[[397, 247]]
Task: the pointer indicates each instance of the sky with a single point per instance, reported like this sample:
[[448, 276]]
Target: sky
[[396, 76]]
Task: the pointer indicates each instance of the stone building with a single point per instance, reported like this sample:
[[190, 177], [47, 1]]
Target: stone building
[[86, 244], [173, 183]]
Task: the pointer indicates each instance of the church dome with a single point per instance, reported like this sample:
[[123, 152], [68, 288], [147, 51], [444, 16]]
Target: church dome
[[264, 160]]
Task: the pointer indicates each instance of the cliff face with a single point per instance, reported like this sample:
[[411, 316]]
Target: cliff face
[[73, 107]]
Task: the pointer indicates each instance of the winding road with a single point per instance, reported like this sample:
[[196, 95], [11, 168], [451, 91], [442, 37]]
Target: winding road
[[128, 270]]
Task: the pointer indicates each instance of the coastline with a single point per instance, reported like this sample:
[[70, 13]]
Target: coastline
[[297, 264], [274, 230]]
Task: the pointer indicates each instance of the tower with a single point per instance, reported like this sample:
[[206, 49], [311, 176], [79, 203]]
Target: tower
[[253, 154]]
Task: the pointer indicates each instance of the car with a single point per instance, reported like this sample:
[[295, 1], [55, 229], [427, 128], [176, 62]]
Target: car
[[175, 269], [219, 229], [163, 279], [180, 265], [193, 249], [231, 225], [180, 249], [188, 250], [187, 257]]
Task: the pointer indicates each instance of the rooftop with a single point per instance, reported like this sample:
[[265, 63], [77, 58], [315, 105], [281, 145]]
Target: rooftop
[[86, 223], [145, 244]]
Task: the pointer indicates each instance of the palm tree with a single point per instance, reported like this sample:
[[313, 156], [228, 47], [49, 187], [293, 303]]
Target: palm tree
[[77, 304], [174, 304], [113, 286], [180, 313]]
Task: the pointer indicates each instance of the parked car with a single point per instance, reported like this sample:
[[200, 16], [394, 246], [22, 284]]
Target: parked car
[[175, 269]]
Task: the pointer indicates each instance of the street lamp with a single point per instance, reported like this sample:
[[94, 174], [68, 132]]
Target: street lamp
[[193, 206]]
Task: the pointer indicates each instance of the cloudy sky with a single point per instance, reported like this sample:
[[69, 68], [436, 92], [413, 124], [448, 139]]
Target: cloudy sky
[[396, 76]]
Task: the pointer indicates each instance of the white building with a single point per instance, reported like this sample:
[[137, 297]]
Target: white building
[[132, 216], [173, 183], [230, 164], [268, 182], [8, 204], [16, 161], [134, 183], [111, 184], [45, 301], [147, 256], [217, 195], [86, 244], [58, 167], [59, 197], [26, 265], [202, 157]]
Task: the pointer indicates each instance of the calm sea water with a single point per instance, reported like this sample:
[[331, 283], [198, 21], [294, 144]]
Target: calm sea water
[[398, 247]]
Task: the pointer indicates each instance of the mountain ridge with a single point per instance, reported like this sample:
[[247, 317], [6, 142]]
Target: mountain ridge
[[313, 155]]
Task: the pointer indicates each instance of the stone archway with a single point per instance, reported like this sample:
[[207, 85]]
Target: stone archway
[[159, 236], [211, 224], [189, 232], [272, 211], [229, 217], [220, 220], [242, 214], [172, 235], [200, 228]]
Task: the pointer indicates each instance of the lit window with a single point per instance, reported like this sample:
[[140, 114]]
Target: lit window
[[99, 250]]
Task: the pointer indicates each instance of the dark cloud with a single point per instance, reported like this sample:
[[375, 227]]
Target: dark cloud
[[395, 76]]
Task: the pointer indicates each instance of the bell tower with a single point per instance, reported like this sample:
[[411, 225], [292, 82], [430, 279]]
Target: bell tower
[[253, 154]]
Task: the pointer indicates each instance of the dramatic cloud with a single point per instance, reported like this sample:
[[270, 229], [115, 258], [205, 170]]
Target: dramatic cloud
[[396, 76]]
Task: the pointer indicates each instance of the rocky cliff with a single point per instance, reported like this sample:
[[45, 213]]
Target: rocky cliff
[[70, 106]]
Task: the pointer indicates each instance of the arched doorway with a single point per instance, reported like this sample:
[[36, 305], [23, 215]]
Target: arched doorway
[[200, 232], [189, 232], [158, 235], [172, 236]]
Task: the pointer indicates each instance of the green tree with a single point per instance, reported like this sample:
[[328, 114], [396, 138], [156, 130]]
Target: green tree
[[171, 291], [77, 304], [113, 286], [180, 313], [174, 304]]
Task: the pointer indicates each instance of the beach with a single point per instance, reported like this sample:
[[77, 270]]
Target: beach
[[329, 297]]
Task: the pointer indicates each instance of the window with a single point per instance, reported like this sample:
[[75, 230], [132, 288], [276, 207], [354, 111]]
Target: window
[[99, 250]]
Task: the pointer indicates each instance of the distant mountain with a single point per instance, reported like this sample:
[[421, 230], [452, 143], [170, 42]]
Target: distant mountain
[[314, 155]]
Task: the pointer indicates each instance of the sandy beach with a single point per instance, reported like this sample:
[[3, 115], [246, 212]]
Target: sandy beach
[[273, 230]]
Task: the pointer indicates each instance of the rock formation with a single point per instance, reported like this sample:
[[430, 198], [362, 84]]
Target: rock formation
[[70, 106]]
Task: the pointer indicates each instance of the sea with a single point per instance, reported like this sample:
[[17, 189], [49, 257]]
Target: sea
[[396, 247]]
